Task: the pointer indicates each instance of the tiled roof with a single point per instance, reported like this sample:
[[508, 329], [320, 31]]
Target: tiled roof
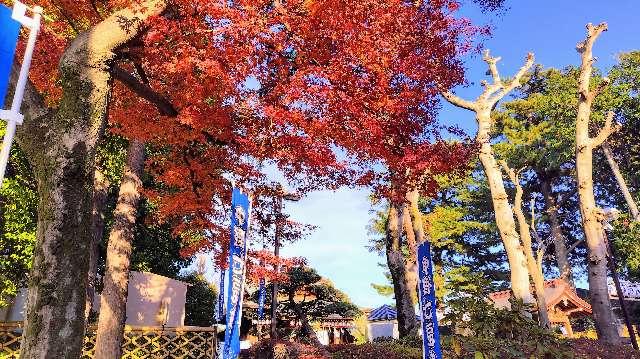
[[386, 312]]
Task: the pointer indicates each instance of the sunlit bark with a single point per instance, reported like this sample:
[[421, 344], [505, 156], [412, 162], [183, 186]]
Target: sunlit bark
[[113, 302], [590, 212], [504, 215]]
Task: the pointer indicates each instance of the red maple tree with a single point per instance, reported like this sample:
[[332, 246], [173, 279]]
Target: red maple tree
[[329, 92], [323, 90]]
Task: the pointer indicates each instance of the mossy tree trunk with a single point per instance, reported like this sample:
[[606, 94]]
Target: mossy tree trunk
[[63, 162], [61, 146], [100, 194], [407, 323]]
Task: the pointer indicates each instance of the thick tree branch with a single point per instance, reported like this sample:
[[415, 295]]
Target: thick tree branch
[[631, 203], [96, 47], [515, 82], [165, 107], [585, 48], [495, 91], [606, 131], [598, 89], [586, 45], [457, 101], [514, 176], [493, 68]]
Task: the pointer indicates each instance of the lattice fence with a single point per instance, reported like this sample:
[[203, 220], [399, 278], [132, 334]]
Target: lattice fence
[[139, 342]]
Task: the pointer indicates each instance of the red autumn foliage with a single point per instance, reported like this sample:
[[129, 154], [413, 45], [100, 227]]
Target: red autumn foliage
[[262, 265], [329, 92]]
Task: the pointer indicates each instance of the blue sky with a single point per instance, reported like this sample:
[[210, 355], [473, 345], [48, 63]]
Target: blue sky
[[550, 29]]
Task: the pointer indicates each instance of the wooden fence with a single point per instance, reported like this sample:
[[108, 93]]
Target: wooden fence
[[139, 342]]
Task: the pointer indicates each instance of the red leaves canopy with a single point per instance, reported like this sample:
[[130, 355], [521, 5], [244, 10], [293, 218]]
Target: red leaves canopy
[[330, 92]]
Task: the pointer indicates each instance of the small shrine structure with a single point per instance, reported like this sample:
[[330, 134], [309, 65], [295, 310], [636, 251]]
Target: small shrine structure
[[563, 303], [336, 329]]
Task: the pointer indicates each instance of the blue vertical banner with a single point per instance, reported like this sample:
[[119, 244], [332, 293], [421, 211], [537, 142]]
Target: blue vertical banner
[[9, 31], [220, 310], [430, 334], [237, 258], [262, 294]]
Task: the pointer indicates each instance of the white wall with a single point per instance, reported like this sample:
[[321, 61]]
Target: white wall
[[383, 329], [147, 293]]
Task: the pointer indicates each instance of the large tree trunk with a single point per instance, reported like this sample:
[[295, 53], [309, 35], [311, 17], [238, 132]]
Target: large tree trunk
[[413, 197], [593, 231], [559, 244], [113, 302], [100, 194], [633, 207], [503, 212], [61, 148], [591, 214], [407, 323]]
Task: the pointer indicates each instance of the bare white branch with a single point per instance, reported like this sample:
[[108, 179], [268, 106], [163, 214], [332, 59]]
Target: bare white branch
[[598, 89], [609, 128], [493, 68], [457, 101], [586, 45], [515, 82]]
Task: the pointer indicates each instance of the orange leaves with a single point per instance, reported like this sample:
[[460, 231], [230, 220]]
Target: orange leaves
[[262, 265], [331, 92]]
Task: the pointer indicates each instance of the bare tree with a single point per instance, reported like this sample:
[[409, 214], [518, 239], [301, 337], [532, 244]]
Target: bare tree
[[482, 108], [592, 215], [534, 263]]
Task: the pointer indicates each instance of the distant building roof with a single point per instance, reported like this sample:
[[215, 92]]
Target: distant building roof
[[383, 313], [630, 290]]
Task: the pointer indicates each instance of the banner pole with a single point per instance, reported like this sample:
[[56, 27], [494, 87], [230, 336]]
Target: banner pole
[[13, 116]]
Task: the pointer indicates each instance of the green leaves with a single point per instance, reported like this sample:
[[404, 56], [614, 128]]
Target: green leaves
[[489, 332], [201, 301], [18, 207]]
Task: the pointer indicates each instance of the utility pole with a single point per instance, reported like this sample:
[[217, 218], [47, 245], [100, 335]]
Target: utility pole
[[279, 196], [274, 295]]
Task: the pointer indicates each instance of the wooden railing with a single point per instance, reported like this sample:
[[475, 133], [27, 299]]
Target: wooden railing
[[138, 343]]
